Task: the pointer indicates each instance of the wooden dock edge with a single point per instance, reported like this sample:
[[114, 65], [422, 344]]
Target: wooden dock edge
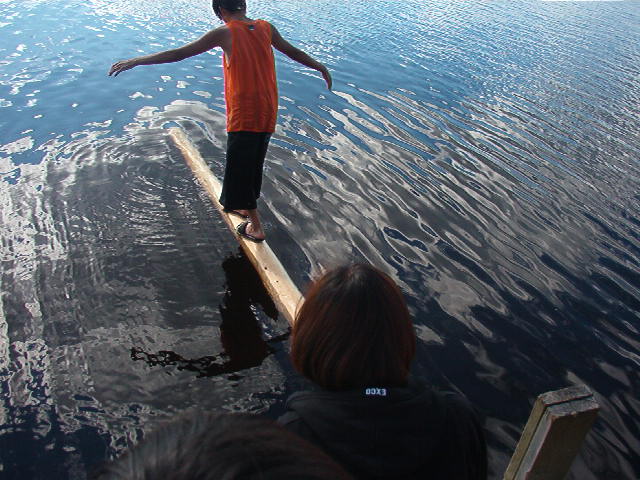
[[553, 435], [284, 293]]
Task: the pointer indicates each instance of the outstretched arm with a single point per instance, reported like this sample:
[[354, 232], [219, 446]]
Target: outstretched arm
[[212, 39], [298, 55]]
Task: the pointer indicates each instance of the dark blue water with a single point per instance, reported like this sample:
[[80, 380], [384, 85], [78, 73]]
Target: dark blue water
[[485, 154]]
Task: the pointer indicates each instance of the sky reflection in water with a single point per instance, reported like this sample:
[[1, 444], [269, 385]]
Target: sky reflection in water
[[482, 153]]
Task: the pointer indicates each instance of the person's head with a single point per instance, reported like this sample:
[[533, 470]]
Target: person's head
[[353, 330], [223, 446], [228, 6]]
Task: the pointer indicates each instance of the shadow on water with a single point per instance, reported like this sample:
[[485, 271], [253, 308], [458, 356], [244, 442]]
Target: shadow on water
[[242, 336]]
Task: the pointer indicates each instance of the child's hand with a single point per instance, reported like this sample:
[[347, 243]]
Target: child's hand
[[121, 66], [327, 77]]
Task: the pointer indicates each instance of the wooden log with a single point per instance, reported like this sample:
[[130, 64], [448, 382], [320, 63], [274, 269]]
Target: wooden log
[[552, 437], [285, 294]]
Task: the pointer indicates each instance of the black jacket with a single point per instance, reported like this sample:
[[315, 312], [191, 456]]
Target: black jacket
[[397, 433]]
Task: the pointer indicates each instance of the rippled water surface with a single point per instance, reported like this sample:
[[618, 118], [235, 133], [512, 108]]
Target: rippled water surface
[[484, 153]]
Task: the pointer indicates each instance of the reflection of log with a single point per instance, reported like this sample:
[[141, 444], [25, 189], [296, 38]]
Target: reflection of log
[[276, 280], [553, 434]]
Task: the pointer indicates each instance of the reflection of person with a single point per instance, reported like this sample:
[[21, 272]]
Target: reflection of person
[[241, 335], [251, 97], [206, 446], [353, 338]]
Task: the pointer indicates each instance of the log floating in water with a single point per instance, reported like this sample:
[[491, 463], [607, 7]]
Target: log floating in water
[[552, 437], [285, 294]]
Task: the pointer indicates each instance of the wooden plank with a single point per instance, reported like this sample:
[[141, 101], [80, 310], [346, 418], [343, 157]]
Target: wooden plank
[[285, 294], [552, 437]]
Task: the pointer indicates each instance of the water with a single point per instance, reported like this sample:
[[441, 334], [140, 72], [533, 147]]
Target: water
[[485, 154]]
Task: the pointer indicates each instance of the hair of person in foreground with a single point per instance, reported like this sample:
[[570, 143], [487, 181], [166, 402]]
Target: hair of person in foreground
[[353, 330], [221, 446]]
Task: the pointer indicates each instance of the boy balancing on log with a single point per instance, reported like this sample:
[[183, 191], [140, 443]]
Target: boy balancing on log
[[251, 97]]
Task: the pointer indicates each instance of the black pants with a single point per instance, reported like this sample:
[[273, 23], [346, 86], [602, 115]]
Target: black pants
[[243, 171]]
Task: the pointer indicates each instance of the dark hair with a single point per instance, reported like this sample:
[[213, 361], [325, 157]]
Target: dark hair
[[229, 5], [206, 446], [353, 330]]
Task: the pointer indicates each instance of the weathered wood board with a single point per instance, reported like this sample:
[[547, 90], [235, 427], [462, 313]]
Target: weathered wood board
[[284, 293], [553, 435]]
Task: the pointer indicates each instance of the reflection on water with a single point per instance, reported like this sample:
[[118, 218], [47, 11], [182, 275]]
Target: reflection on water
[[241, 335], [118, 248], [481, 153]]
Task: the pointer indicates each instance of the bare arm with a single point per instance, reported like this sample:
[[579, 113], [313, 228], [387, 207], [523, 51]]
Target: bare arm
[[298, 55], [212, 39]]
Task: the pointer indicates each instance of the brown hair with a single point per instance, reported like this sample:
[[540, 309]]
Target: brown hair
[[214, 446], [353, 330]]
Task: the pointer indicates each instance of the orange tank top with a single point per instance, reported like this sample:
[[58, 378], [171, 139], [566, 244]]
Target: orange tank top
[[250, 89]]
